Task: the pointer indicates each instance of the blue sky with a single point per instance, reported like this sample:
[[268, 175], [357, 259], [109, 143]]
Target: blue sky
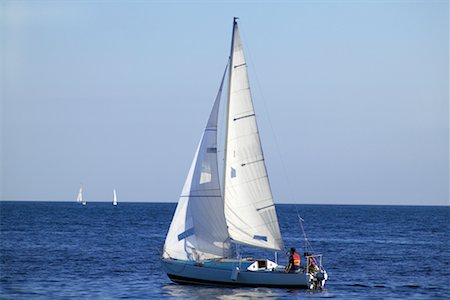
[[352, 97]]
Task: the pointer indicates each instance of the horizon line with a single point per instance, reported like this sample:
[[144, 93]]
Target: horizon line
[[284, 203]]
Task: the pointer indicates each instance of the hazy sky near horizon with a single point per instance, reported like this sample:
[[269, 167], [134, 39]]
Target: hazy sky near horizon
[[352, 97]]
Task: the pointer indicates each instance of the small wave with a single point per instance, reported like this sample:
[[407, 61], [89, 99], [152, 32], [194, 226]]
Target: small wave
[[359, 284], [413, 286], [379, 286], [122, 271]]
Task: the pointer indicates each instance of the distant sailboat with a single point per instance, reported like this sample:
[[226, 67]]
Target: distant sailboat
[[80, 195], [114, 198]]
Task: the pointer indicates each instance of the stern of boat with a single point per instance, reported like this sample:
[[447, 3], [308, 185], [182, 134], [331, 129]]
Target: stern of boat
[[317, 274]]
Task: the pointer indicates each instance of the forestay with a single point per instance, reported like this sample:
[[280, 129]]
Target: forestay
[[198, 230], [249, 207]]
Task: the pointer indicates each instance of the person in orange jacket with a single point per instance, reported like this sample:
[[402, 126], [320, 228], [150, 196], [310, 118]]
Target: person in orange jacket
[[294, 262]]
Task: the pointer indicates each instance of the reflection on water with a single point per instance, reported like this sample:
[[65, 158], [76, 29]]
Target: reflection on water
[[209, 292]]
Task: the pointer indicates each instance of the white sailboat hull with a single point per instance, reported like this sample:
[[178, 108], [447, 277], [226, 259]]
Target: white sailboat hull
[[227, 274]]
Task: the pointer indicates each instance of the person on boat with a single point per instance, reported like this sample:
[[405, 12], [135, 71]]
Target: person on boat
[[312, 263], [294, 262]]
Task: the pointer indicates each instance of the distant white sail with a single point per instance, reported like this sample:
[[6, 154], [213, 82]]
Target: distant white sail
[[114, 198], [80, 195], [198, 230], [249, 207]]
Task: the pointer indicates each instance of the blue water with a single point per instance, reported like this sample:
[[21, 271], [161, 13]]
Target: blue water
[[67, 251]]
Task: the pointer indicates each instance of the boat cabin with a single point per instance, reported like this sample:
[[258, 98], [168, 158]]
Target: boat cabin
[[262, 264]]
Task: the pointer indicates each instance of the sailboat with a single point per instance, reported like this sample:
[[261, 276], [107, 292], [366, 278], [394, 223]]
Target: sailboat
[[208, 222], [80, 196], [114, 198]]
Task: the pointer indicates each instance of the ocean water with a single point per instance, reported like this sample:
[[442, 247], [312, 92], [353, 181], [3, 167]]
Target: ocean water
[[62, 250]]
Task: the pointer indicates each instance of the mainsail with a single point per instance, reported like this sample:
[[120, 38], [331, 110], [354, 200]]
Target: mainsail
[[249, 207], [198, 230]]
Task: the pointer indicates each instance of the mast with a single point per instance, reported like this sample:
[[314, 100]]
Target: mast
[[230, 71]]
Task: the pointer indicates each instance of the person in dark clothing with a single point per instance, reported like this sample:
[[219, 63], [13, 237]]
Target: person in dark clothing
[[294, 262]]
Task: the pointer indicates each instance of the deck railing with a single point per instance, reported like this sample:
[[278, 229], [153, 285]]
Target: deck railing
[[313, 263]]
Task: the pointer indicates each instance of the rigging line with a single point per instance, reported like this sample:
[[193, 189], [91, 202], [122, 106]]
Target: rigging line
[[287, 181], [307, 243]]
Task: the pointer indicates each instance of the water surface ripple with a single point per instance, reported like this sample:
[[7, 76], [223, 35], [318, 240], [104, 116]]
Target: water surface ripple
[[63, 250]]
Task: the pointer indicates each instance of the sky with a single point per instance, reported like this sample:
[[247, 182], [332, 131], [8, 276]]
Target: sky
[[352, 97]]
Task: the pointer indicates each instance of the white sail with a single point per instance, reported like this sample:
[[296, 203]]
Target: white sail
[[198, 229], [80, 195], [249, 207], [114, 198]]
